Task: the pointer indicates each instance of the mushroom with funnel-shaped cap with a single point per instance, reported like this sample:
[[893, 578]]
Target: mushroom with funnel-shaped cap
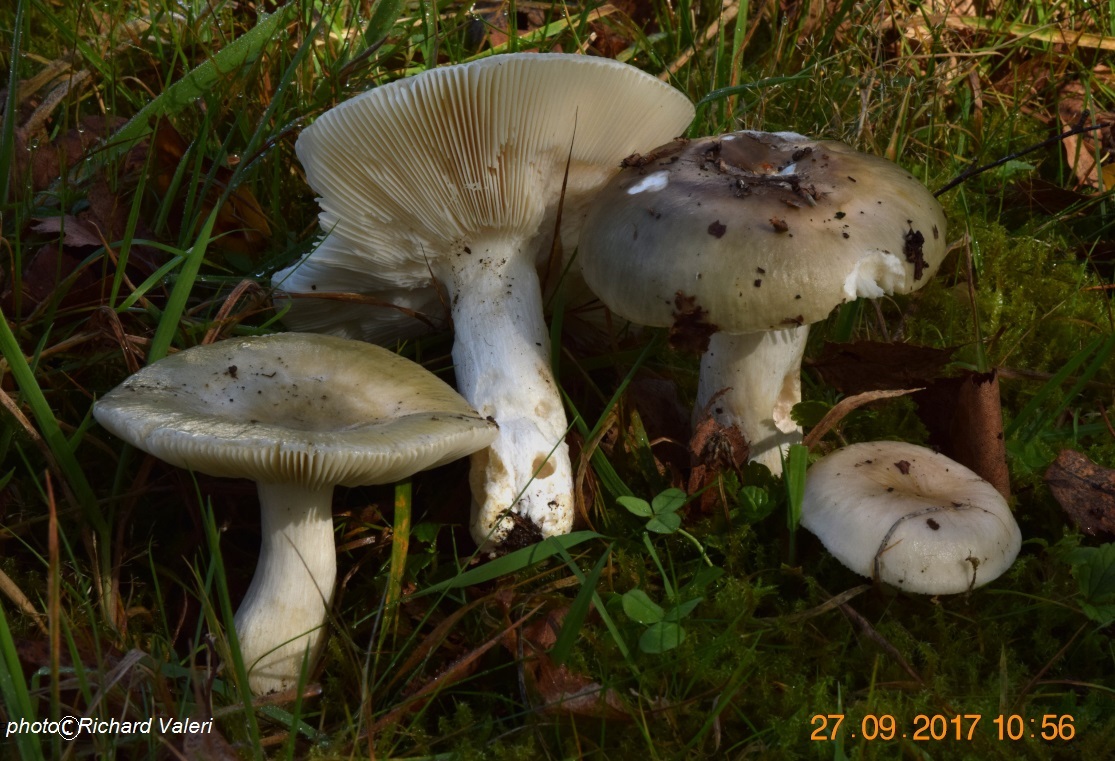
[[298, 414], [742, 240], [910, 517], [451, 181]]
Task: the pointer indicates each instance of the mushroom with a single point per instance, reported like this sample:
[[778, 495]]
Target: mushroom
[[909, 517], [298, 414], [445, 188], [739, 242]]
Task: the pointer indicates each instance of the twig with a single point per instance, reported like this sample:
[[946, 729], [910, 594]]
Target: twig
[[846, 405], [728, 13], [865, 628], [830, 604], [116, 329], [452, 673], [12, 591], [224, 316], [358, 298], [52, 462], [1079, 129], [1041, 672], [53, 593], [1106, 421]]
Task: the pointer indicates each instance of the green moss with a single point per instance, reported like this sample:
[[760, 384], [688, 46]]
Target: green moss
[[1034, 311]]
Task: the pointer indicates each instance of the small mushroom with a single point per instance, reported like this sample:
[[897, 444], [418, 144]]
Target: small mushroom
[[750, 237], [298, 414], [910, 517], [443, 191]]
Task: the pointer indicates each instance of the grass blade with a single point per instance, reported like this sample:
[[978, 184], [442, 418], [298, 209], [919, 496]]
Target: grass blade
[[48, 425], [198, 82], [1030, 420], [578, 611], [797, 461], [224, 602], [400, 543], [7, 130], [176, 304], [512, 562], [17, 700]]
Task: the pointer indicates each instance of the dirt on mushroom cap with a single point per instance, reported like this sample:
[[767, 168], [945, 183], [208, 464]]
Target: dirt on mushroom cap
[[823, 223]]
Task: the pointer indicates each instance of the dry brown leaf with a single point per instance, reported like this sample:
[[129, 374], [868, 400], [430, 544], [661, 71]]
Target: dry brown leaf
[[965, 422], [1085, 491], [714, 449], [558, 689], [209, 745], [1082, 151], [1040, 196], [492, 22], [47, 161], [977, 436], [241, 225], [47, 268], [74, 231], [106, 210], [853, 368]]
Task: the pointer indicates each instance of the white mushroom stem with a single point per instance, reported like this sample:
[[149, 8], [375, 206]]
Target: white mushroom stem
[[282, 617], [502, 359], [763, 373]]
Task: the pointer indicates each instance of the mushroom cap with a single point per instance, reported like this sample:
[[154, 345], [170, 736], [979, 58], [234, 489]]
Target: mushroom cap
[[294, 408], [755, 231], [910, 517], [411, 172]]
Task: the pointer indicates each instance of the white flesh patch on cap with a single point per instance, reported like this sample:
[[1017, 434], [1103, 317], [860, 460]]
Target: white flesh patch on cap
[[652, 182], [877, 274]]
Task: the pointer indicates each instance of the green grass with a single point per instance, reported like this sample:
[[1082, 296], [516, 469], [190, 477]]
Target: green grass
[[138, 573]]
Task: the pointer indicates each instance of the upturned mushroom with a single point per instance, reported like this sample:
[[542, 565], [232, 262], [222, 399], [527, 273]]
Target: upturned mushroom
[[443, 191], [910, 517], [739, 242], [298, 414]]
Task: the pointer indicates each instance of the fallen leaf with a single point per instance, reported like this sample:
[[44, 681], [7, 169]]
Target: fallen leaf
[[74, 232], [558, 689], [209, 745], [964, 417], [1084, 490], [1081, 151], [1044, 197], [977, 439], [106, 210], [46, 161], [853, 368], [47, 270], [714, 449], [241, 225]]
